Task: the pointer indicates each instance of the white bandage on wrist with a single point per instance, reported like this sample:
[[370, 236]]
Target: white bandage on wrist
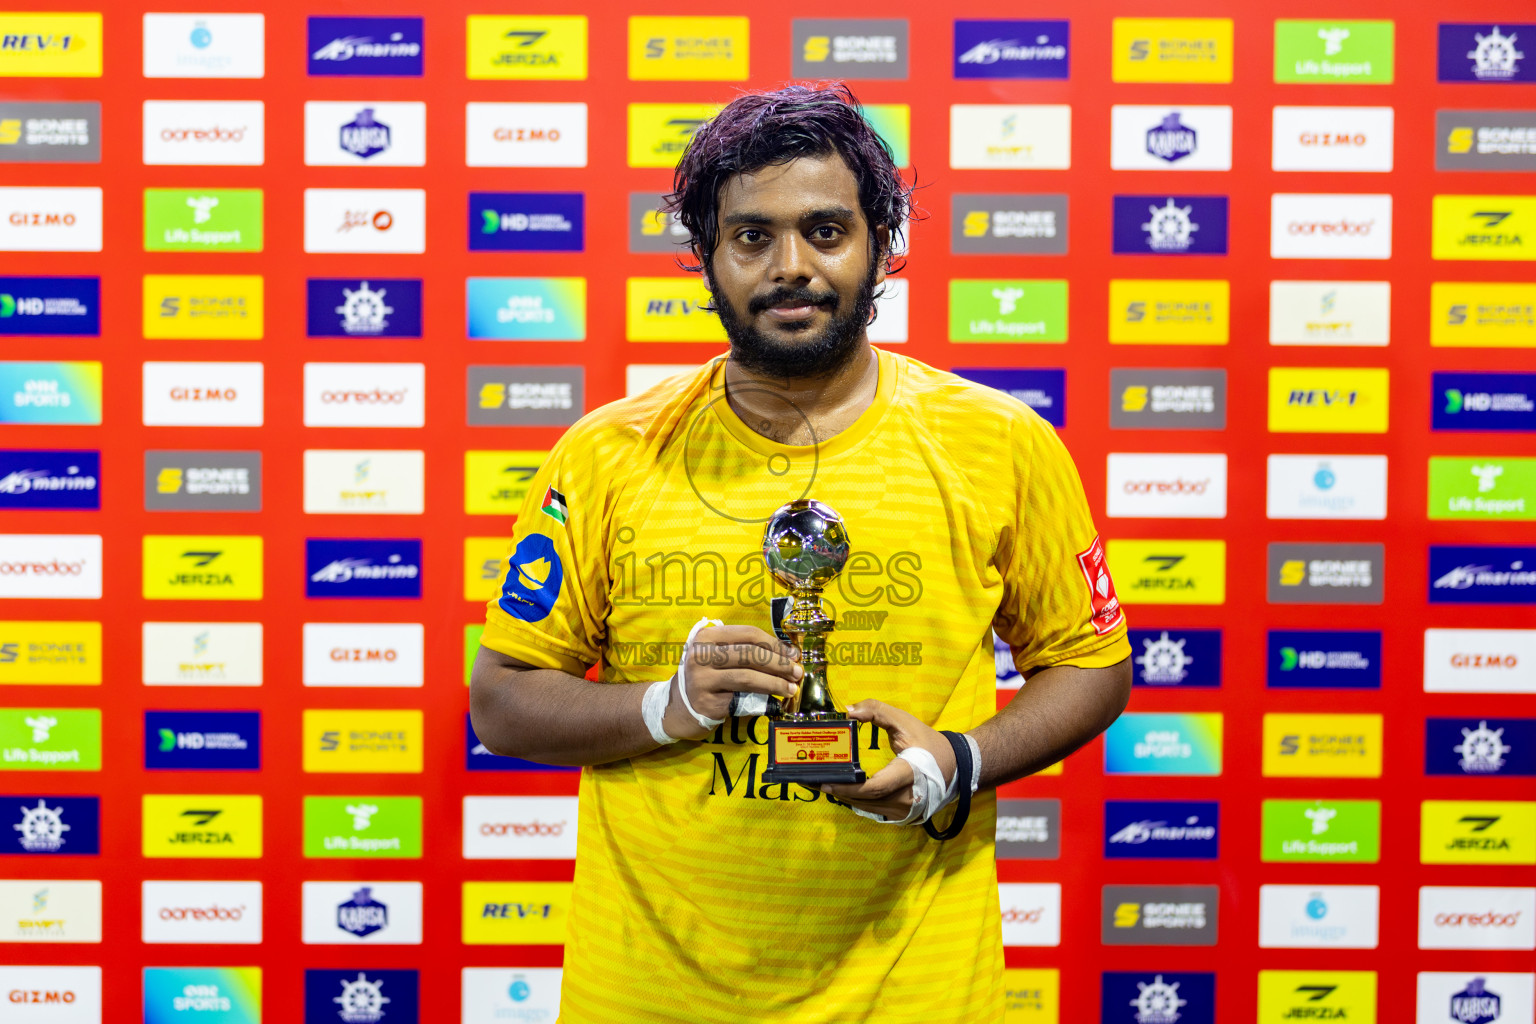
[[929, 793], [682, 679], [653, 708]]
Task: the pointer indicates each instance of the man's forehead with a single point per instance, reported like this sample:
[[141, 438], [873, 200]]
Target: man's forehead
[[797, 188]]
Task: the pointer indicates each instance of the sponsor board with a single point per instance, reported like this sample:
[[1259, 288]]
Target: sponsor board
[[50, 653], [1480, 661], [202, 481], [1044, 391], [1148, 138], [1167, 399], [1321, 831], [1484, 574], [527, 221], [1325, 573], [1479, 747], [1494, 315], [660, 132], [1008, 223], [1172, 50], [1317, 226], [1168, 312], [363, 741], [203, 220], [362, 826], [376, 913], [52, 306], [1319, 916], [1175, 486], [50, 825], [365, 46], [1322, 746], [1477, 832], [673, 49], [1484, 228], [1326, 487], [52, 995], [1486, 53], [364, 654], [211, 913], [485, 564], [1008, 311], [519, 828], [362, 568], [51, 393], [41, 219], [1161, 829], [501, 993], [50, 479], [1287, 996], [51, 45], [653, 229], [1159, 915], [213, 307], [1170, 225], [1332, 139], [670, 309], [50, 133], [1485, 140], [364, 394], [205, 45], [1187, 743], [525, 135], [1484, 401], [527, 308], [365, 133], [478, 758], [1031, 995], [1141, 997], [202, 825], [846, 48], [551, 47], [206, 133], [1012, 49], [1031, 913], [1328, 400], [515, 913], [202, 568], [1334, 313], [1482, 488], [1181, 657], [1169, 571], [1323, 659], [497, 482], [202, 740], [202, 653], [524, 396], [368, 996], [1480, 997], [218, 995], [45, 910], [388, 307], [364, 482], [1476, 917], [50, 566], [363, 220], [1334, 52], [642, 377], [1010, 137], [1028, 829]]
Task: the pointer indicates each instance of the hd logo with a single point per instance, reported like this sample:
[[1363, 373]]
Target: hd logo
[[525, 47], [687, 49], [1169, 572], [1288, 996], [202, 568], [1477, 832], [1484, 228], [202, 825]]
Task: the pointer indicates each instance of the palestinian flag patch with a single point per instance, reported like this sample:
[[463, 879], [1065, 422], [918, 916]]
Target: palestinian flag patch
[[554, 506]]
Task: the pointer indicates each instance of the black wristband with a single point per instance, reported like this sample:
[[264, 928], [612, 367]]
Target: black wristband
[[963, 771]]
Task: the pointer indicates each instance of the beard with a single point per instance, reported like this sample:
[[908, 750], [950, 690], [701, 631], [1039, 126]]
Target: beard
[[811, 354]]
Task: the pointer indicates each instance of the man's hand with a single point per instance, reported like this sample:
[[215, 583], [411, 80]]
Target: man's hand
[[723, 660], [889, 791]]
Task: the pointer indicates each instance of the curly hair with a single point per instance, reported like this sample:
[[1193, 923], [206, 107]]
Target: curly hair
[[758, 130]]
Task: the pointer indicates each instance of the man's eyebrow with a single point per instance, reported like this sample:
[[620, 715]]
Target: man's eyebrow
[[756, 217]]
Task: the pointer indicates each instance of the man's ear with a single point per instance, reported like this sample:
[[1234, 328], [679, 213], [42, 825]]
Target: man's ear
[[703, 267], [882, 251]]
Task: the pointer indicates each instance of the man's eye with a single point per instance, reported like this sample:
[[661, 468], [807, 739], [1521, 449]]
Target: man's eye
[[826, 233], [751, 236]]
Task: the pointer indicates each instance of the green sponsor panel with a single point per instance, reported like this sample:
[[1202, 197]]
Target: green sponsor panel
[[1322, 830], [362, 826], [50, 739], [893, 123], [1494, 487], [1008, 311], [1354, 52], [471, 648], [202, 220]]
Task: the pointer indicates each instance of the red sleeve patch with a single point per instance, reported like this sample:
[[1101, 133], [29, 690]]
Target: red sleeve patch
[[1107, 613]]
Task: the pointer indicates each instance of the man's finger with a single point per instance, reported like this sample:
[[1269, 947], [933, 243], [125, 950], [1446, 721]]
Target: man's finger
[[723, 656], [749, 681], [727, 635], [891, 781]]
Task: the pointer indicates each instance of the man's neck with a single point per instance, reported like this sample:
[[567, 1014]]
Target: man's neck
[[804, 410]]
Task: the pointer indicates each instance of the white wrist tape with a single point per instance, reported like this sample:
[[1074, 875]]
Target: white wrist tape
[[929, 793], [682, 681], [653, 708]]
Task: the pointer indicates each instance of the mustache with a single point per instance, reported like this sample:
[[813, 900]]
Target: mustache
[[791, 296]]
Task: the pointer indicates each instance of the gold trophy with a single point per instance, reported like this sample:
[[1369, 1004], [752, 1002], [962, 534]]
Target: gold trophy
[[813, 740]]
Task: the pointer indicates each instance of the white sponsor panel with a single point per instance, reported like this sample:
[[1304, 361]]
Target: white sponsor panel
[[364, 654], [204, 45], [202, 912], [1476, 917], [1151, 138], [50, 565], [1171, 486], [45, 219], [528, 995], [1449, 997], [640, 377], [890, 324], [1010, 137], [50, 910], [51, 995], [364, 482], [222, 133], [362, 913], [365, 394], [1330, 226], [202, 653], [1319, 916], [519, 828], [203, 394], [1480, 660], [1339, 313], [365, 133], [1031, 913], [365, 220], [1327, 487], [1332, 139], [525, 134]]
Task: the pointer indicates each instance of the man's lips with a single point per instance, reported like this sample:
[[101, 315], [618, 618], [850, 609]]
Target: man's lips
[[787, 313]]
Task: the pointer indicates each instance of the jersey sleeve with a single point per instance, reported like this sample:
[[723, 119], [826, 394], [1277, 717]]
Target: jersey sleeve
[[1059, 605]]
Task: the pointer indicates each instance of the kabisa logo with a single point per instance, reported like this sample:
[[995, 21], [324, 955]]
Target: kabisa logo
[[362, 915], [365, 46], [52, 824], [848, 48], [361, 997], [202, 740], [50, 479], [362, 568], [1485, 401], [1480, 746], [1485, 52], [527, 221], [364, 136], [50, 305], [1161, 829], [1482, 575], [534, 576], [1170, 225], [1476, 1004], [1185, 657], [1172, 140], [1159, 915], [372, 308], [1012, 49], [1333, 659], [1044, 391], [1133, 997]]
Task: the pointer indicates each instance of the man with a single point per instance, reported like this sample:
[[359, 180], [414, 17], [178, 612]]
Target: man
[[701, 893]]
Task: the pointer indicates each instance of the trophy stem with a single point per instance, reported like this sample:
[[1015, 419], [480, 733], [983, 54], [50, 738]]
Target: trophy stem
[[808, 625]]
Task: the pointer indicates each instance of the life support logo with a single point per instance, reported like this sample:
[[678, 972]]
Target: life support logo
[[533, 579]]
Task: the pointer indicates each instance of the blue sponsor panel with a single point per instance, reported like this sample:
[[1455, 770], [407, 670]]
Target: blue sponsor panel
[[1044, 391], [202, 740], [359, 995], [1482, 574], [362, 567], [1013, 49], [1331, 659], [527, 221], [33, 478], [1484, 401], [1176, 657], [1158, 997], [365, 46], [50, 305], [1161, 829], [478, 759], [31, 823], [1486, 52], [1480, 746], [350, 307], [1169, 225]]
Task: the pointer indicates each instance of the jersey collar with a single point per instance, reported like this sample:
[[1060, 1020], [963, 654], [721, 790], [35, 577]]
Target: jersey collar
[[861, 428]]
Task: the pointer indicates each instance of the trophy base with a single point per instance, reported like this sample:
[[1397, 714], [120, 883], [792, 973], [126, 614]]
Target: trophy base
[[813, 752]]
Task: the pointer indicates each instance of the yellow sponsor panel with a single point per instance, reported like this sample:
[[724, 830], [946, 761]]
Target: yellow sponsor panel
[[1321, 400], [1031, 996], [1467, 315], [669, 309], [353, 740], [1288, 996], [1145, 312], [1322, 746], [660, 132], [50, 653], [202, 568], [495, 483], [687, 49], [1172, 50], [516, 913], [50, 45], [1168, 571], [1477, 832], [1484, 228], [550, 46], [485, 563], [204, 307], [202, 825]]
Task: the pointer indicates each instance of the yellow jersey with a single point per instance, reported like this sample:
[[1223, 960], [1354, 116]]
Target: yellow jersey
[[701, 893]]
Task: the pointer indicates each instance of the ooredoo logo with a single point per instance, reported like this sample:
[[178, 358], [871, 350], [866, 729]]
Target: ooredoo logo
[[213, 912], [520, 828], [1341, 227], [1031, 913], [223, 133], [364, 394], [1167, 486], [1477, 917], [202, 912], [50, 565]]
